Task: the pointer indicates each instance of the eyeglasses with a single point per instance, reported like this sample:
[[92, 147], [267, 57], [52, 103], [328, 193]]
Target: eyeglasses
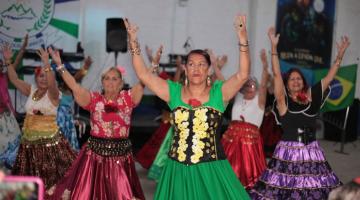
[[201, 65]]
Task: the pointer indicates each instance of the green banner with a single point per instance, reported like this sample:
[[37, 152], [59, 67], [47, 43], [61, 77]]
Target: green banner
[[342, 87]]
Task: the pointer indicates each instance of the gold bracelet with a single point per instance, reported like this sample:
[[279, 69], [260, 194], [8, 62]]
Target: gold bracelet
[[134, 47]]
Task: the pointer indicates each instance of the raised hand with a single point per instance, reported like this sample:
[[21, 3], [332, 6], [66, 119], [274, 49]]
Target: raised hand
[[149, 53], [44, 55], [55, 55], [263, 56], [240, 26], [274, 38], [87, 62], [221, 61], [7, 52], [342, 46], [131, 29], [156, 58]]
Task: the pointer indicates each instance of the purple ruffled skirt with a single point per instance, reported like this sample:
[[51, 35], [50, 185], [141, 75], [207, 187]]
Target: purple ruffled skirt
[[296, 171]]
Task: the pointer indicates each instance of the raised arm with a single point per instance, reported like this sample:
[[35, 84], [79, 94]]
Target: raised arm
[[21, 85], [234, 83], [21, 52], [153, 82], [53, 90], [79, 75], [82, 95], [264, 79], [279, 88], [341, 48]]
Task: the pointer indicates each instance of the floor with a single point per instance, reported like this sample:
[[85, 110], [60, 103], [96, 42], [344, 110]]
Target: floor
[[346, 166]]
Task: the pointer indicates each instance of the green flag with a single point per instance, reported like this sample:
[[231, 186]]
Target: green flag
[[342, 87]]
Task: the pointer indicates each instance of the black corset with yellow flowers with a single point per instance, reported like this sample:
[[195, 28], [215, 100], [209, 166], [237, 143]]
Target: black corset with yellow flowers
[[196, 135]]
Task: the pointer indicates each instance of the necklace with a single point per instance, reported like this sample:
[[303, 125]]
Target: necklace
[[36, 96]]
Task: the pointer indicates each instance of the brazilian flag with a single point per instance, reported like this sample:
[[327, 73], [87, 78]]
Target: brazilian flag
[[342, 87]]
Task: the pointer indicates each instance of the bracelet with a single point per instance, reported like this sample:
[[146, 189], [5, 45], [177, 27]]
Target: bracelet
[[61, 69], [244, 45], [243, 50], [154, 65], [134, 47], [274, 54]]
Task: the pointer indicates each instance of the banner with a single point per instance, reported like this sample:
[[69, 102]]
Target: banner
[[306, 31], [342, 87], [48, 22]]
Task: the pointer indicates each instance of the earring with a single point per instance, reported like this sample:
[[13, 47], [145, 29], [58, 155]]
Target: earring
[[208, 81], [186, 81]]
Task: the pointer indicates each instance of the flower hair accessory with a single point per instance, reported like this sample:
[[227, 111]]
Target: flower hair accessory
[[121, 70]]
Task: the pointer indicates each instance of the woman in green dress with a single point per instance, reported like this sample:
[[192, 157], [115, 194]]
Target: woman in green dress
[[197, 168]]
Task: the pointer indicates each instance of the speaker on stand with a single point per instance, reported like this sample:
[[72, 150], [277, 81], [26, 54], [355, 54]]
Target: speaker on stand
[[116, 36]]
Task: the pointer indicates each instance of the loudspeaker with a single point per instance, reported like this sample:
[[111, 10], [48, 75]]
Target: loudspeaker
[[116, 35]]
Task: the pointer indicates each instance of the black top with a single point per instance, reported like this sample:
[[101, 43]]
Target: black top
[[300, 116]]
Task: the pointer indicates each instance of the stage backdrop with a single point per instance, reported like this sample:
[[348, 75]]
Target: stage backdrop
[[48, 22], [306, 31]]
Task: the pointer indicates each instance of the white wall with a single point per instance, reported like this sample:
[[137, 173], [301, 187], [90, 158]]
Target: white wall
[[208, 23]]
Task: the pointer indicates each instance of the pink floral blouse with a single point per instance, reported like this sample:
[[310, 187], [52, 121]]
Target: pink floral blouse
[[110, 119]]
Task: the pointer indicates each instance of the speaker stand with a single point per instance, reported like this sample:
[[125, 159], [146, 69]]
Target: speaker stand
[[343, 133], [116, 53]]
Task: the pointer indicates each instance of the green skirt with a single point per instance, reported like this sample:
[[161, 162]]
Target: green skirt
[[161, 157], [210, 180]]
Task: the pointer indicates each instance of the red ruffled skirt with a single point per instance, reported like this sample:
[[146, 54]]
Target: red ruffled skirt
[[243, 147], [271, 133], [93, 176], [147, 153]]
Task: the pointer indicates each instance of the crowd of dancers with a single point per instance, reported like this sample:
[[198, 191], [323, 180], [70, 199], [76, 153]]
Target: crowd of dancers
[[188, 156]]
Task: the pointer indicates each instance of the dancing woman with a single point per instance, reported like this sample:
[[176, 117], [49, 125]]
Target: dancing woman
[[242, 141], [43, 151], [10, 132], [104, 168], [197, 168], [298, 168]]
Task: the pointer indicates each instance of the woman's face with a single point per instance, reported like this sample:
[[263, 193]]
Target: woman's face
[[112, 82], [295, 83], [249, 90], [41, 80], [197, 69]]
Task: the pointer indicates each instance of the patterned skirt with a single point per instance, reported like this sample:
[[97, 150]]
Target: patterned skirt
[[47, 158], [10, 135], [296, 171], [148, 152], [243, 147], [103, 170]]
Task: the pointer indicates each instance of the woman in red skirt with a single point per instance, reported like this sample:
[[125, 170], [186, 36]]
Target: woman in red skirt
[[242, 141]]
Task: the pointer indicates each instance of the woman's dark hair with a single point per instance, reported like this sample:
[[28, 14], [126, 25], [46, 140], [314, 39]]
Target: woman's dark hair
[[287, 76], [200, 52]]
